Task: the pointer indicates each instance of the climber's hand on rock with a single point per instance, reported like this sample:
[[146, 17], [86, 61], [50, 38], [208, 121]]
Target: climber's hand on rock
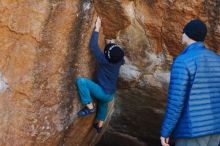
[[97, 24], [164, 141]]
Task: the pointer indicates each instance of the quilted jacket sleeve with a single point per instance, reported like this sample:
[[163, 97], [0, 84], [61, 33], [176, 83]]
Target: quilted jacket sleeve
[[179, 81]]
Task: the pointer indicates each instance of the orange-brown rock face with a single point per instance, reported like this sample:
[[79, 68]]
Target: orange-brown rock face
[[44, 47], [153, 37], [107, 10]]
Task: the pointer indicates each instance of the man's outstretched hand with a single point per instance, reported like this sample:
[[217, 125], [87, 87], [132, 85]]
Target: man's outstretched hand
[[97, 24]]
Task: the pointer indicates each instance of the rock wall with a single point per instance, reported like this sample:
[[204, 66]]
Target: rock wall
[[44, 47], [154, 36]]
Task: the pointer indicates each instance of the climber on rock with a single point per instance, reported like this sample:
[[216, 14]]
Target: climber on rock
[[104, 87]]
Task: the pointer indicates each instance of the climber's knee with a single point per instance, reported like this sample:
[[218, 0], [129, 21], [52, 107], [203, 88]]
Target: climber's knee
[[80, 81]]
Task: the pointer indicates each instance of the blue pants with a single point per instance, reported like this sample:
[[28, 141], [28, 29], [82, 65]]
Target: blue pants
[[88, 88]]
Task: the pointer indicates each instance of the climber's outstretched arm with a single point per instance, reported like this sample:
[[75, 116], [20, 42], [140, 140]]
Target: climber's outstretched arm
[[94, 43]]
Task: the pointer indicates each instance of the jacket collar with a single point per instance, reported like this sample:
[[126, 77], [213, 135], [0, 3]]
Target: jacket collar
[[193, 46]]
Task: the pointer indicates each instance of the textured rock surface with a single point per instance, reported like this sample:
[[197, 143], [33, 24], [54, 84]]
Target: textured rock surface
[[44, 47]]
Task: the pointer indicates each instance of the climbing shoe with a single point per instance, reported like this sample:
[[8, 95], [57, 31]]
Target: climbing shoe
[[85, 111], [98, 129]]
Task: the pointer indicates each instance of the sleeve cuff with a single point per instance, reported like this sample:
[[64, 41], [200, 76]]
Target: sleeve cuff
[[164, 134], [95, 33]]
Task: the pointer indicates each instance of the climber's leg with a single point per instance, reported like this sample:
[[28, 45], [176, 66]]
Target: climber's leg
[[102, 111], [84, 92], [87, 88], [101, 115]]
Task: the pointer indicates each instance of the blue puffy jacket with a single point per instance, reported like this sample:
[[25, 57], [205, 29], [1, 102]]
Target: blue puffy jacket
[[193, 106]]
